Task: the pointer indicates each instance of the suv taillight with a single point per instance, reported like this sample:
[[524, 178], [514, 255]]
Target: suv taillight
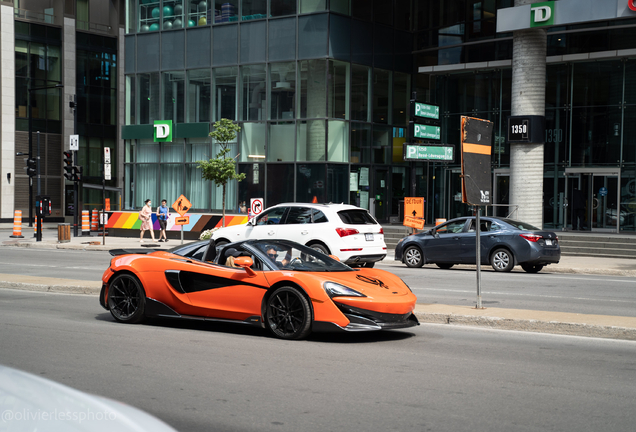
[[532, 237], [381, 230], [343, 232]]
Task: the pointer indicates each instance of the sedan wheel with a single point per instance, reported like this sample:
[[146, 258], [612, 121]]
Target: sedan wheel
[[502, 260], [530, 268], [288, 314], [413, 257], [126, 299]]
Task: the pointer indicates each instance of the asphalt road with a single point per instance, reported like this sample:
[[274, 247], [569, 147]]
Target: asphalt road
[[205, 376], [559, 292]]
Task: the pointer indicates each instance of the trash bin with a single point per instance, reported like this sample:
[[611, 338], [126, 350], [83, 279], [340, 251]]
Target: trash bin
[[63, 233]]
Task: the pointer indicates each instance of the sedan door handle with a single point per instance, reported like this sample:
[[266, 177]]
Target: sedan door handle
[[455, 238]]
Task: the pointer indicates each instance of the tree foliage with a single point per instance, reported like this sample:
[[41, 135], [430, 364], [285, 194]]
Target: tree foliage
[[222, 168]]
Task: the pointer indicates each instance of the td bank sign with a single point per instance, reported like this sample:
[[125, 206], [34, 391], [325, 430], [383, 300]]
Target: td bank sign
[[163, 131], [542, 14]]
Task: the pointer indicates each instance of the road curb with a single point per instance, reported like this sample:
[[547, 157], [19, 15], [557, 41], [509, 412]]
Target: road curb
[[538, 326], [57, 288]]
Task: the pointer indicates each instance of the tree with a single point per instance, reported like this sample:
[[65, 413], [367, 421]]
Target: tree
[[222, 169]]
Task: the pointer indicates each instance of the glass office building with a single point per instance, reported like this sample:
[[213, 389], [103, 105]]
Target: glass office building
[[321, 90]]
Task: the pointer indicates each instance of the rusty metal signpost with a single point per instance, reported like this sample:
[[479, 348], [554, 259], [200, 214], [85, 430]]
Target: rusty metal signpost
[[181, 206]]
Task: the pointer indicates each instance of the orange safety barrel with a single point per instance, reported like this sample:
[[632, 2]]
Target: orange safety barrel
[[86, 226], [94, 224], [17, 224]]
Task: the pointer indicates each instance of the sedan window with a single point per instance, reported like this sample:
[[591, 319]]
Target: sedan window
[[451, 227], [485, 225]]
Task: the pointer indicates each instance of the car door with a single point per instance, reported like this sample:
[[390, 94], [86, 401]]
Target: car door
[[297, 225], [468, 241], [445, 245], [222, 292], [266, 226]]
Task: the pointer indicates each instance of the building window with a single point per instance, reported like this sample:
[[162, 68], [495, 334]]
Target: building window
[[253, 98], [199, 97], [282, 90], [360, 93], [225, 93]]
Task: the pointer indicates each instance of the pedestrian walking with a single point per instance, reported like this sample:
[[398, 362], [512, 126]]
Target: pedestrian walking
[[145, 215], [162, 217]]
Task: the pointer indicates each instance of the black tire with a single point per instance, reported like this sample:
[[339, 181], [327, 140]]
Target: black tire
[[444, 266], [126, 299], [413, 257], [221, 242], [288, 314], [502, 260], [319, 248], [532, 268]]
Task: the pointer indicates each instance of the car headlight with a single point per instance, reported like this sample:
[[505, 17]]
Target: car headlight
[[336, 290]]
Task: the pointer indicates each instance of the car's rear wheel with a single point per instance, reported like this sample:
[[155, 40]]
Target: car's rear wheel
[[368, 264], [413, 257], [444, 266], [126, 299], [288, 314], [502, 260], [532, 268], [319, 248]]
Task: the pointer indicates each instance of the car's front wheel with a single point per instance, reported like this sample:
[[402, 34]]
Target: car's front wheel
[[502, 260], [413, 257], [532, 268], [126, 299], [288, 314]]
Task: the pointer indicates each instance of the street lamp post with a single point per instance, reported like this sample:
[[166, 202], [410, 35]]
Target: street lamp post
[[30, 114]]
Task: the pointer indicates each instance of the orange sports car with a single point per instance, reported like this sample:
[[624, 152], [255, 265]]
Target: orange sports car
[[281, 285]]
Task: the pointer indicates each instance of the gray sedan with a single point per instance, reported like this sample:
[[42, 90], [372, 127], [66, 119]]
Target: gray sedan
[[504, 244]]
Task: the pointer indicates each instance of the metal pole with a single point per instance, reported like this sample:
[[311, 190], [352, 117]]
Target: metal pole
[[38, 236], [103, 203], [30, 153], [478, 251], [75, 184]]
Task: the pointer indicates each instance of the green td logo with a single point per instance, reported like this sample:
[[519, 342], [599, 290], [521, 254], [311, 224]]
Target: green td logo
[[163, 131], [542, 14]]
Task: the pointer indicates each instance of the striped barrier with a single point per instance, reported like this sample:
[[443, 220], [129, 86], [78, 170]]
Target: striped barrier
[[86, 226], [94, 223], [17, 224]]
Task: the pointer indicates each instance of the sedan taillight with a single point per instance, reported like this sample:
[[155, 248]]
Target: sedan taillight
[[532, 237], [343, 232]]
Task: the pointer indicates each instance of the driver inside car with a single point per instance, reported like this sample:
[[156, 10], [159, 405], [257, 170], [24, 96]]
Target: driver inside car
[[273, 254]]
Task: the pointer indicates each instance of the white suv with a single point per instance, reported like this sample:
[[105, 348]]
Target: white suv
[[343, 230]]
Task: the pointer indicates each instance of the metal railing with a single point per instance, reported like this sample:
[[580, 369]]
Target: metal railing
[[31, 15]]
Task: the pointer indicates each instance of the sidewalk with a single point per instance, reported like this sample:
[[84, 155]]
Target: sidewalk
[[509, 319]]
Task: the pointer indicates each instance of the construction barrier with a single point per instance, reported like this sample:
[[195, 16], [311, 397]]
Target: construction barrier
[[86, 226], [94, 223], [17, 224], [439, 221]]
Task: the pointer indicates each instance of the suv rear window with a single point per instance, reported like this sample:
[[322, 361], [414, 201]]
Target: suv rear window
[[356, 217]]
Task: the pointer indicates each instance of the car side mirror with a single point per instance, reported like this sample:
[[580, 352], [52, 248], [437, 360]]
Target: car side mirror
[[245, 263]]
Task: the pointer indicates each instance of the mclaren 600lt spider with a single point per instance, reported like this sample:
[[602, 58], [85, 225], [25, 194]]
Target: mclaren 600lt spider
[[280, 285]]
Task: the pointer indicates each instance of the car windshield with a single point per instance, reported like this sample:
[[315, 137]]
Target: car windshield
[[288, 255], [521, 225]]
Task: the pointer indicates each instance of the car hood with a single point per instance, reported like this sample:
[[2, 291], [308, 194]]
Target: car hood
[[374, 283]]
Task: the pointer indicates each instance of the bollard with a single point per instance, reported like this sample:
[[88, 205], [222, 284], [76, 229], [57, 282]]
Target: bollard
[[17, 224], [94, 220], [86, 226]]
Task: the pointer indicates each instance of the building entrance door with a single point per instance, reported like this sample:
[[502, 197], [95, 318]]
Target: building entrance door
[[593, 198], [380, 195]]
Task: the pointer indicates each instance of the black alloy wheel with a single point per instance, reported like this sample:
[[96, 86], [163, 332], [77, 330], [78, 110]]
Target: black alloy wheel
[[444, 266], [502, 260], [532, 268], [288, 314], [413, 257], [126, 299]]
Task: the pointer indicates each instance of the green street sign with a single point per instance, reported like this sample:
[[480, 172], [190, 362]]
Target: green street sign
[[425, 111], [429, 152], [425, 131]]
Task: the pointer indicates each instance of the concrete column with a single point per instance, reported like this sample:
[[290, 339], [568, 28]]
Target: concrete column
[[7, 112], [316, 105], [528, 98]]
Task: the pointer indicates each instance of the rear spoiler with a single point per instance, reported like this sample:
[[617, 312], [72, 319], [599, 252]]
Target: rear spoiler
[[117, 252]]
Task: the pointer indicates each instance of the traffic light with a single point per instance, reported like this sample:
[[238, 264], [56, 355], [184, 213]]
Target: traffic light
[[77, 173], [31, 167], [68, 165]]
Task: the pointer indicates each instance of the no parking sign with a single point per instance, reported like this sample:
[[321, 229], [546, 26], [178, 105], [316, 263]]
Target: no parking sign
[[256, 206]]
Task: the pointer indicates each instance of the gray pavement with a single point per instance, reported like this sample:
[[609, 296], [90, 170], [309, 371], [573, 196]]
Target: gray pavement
[[511, 319]]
